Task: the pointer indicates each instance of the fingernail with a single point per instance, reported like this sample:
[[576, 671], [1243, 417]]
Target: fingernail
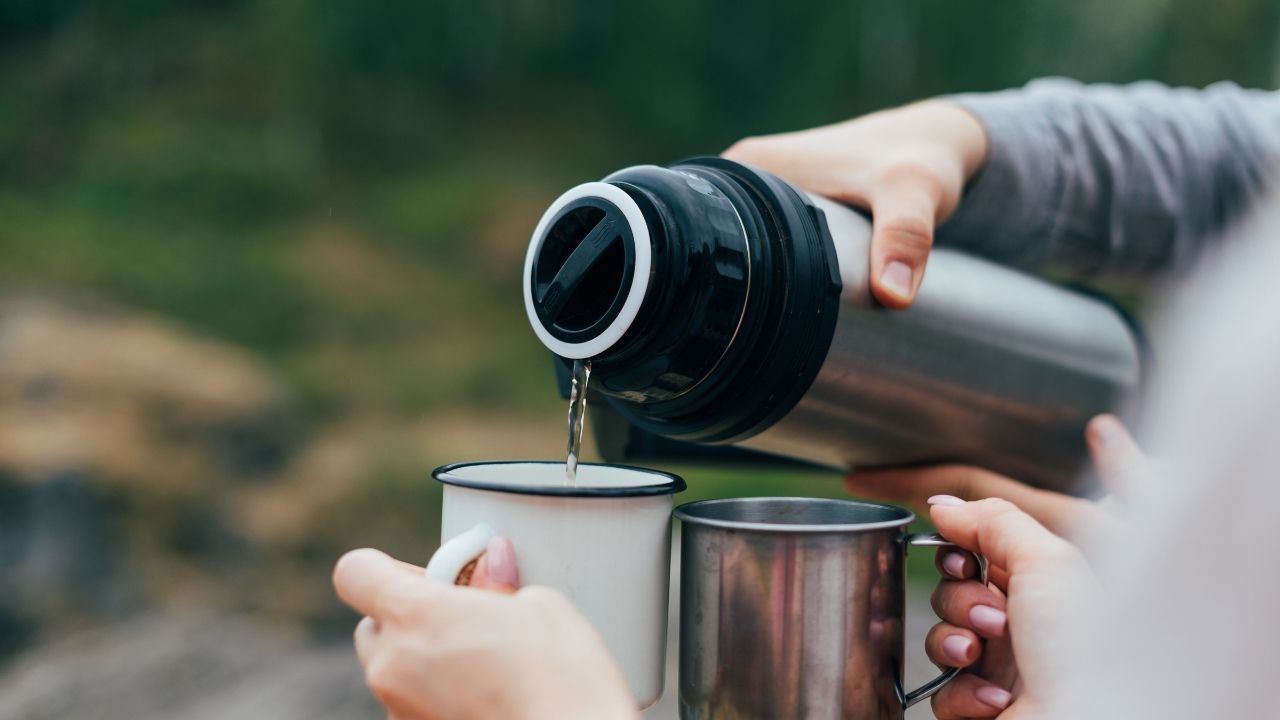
[[945, 500], [954, 563], [500, 561], [996, 697], [988, 620], [956, 648], [1108, 431], [896, 278]]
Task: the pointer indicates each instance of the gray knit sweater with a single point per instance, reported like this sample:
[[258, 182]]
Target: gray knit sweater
[[1113, 181]]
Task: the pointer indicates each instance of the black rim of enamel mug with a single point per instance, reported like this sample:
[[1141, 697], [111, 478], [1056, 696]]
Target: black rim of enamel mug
[[674, 483]]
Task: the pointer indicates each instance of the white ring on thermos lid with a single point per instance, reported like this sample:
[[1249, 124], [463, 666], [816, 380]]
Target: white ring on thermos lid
[[639, 277]]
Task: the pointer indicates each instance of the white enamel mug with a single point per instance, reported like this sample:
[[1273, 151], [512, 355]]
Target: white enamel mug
[[604, 542]]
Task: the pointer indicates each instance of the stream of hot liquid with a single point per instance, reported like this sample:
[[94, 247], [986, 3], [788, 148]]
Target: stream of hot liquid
[[577, 410]]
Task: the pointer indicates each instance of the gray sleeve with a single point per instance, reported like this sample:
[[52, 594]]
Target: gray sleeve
[[1113, 181]]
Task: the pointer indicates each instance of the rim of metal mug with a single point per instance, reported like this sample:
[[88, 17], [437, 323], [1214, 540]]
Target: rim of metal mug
[[447, 474], [683, 514]]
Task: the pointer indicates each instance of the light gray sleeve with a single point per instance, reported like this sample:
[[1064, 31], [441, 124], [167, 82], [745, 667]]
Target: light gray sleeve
[[1113, 181]]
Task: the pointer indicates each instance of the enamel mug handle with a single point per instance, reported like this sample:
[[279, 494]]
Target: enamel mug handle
[[459, 551], [934, 685]]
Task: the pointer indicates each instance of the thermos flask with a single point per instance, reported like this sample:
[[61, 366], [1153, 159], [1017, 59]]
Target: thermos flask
[[721, 305]]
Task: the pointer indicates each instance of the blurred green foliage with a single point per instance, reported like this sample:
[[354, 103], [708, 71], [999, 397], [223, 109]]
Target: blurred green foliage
[[346, 186]]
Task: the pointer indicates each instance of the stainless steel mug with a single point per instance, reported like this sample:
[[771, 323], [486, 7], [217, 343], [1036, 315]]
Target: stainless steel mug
[[794, 608]]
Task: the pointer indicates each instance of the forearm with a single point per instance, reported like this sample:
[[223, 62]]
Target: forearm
[[1116, 181]]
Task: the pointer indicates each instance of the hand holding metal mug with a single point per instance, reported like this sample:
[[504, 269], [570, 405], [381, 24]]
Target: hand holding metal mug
[[1039, 580]]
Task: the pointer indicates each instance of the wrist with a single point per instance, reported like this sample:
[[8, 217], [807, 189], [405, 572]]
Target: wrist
[[959, 130]]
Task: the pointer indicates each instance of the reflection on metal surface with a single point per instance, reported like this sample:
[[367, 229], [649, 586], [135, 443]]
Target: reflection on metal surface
[[791, 622], [989, 366]]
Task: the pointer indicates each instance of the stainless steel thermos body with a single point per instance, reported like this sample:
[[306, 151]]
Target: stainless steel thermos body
[[989, 365], [721, 305]]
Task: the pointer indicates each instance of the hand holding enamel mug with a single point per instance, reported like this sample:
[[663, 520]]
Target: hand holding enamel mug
[[433, 650], [585, 639]]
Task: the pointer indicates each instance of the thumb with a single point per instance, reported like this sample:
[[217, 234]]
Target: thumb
[[913, 486], [901, 236], [1007, 536], [1121, 464], [497, 569]]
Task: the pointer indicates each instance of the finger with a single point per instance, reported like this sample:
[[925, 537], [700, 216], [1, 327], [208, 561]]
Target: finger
[[955, 564], [901, 235], [763, 152], [1121, 464], [365, 578], [454, 561], [408, 567], [998, 578], [962, 565], [497, 569], [972, 605], [913, 486], [969, 696], [366, 639], [795, 156], [1009, 537], [950, 645]]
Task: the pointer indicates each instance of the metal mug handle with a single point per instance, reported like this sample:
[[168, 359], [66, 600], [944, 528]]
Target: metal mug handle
[[934, 685]]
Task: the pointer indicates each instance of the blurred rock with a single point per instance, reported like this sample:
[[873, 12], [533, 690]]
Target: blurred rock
[[122, 440], [130, 398], [148, 471], [197, 669]]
